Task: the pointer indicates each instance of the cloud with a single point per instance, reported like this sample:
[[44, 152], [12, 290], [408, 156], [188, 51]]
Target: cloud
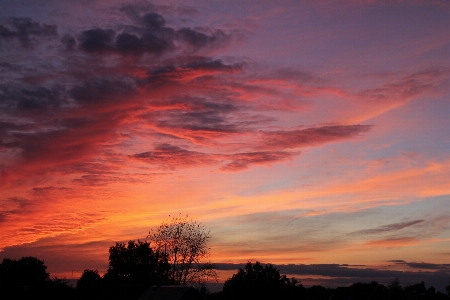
[[241, 161], [389, 227], [69, 42], [96, 39], [392, 242], [50, 224], [103, 90], [397, 261], [171, 156], [289, 139], [197, 39], [149, 35], [423, 266], [88, 116], [429, 266], [13, 206], [24, 29], [193, 69], [97, 180], [28, 97]]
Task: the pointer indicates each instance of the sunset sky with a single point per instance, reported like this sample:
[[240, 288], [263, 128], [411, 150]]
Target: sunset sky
[[304, 133]]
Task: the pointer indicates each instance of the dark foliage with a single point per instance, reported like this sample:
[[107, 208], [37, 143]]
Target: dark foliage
[[265, 282], [90, 285], [448, 288], [27, 278], [260, 282], [56, 289], [133, 269]]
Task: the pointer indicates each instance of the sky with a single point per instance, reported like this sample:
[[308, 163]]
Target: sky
[[313, 135]]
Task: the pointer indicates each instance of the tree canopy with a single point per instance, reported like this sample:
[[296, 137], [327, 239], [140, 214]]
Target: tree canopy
[[256, 281], [133, 268], [27, 271], [90, 285], [28, 277], [183, 242]]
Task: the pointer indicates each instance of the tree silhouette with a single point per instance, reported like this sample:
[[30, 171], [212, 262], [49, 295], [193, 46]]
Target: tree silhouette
[[447, 288], [415, 290], [362, 290], [56, 289], [90, 285], [183, 242], [394, 289], [19, 278], [258, 282], [133, 269]]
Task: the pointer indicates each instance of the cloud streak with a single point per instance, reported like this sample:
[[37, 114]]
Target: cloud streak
[[389, 227]]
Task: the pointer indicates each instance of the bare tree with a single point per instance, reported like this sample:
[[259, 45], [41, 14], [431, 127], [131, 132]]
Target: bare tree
[[183, 241]]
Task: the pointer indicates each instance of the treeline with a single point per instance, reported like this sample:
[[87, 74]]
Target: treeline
[[180, 257], [129, 276], [256, 281], [133, 268]]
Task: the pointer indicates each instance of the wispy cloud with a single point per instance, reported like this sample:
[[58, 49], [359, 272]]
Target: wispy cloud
[[388, 228]]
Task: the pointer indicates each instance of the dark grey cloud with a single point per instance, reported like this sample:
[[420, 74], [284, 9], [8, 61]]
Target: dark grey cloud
[[207, 120], [134, 11], [311, 136], [334, 270], [104, 85], [69, 42], [97, 39], [197, 39], [195, 116], [127, 43], [152, 37], [103, 90], [153, 20], [212, 65], [106, 179], [423, 266], [241, 161], [13, 206], [404, 89], [25, 29], [96, 180], [44, 191], [175, 157], [148, 34], [197, 104], [9, 140], [26, 97], [428, 266], [397, 261], [198, 64], [56, 142], [388, 228]]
